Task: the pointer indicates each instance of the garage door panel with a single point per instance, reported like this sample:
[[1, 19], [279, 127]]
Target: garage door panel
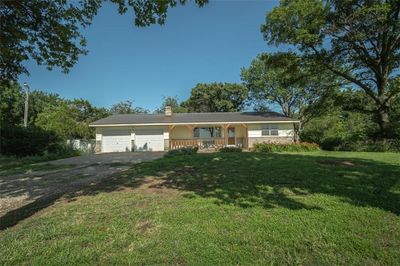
[[149, 140], [117, 140]]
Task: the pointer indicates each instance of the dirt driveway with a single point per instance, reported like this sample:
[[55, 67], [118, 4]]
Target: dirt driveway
[[24, 194]]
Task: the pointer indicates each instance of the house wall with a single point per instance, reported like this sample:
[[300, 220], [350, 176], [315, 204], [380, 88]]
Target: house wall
[[285, 134], [285, 131], [101, 130]]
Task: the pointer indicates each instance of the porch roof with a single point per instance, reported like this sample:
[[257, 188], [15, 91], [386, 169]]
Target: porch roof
[[192, 118]]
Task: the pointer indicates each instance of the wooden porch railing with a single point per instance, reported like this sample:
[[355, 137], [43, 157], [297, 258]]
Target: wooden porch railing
[[215, 143], [200, 143]]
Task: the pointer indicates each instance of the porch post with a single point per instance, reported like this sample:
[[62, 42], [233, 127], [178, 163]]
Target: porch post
[[246, 136], [170, 127], [225, 134]]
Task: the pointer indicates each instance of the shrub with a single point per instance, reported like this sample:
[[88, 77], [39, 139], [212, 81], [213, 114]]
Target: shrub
[[285, 147], [389, 145], [230, 149], [182, 151], [31, 141]]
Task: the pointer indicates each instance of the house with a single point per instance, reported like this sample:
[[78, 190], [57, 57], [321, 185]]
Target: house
[[160, 132]]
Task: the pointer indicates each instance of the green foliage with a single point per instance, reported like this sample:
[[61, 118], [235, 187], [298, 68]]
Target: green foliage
[[387, 145], [283, 147], [301, 90], [125, 107], [174, 103], [48, 31], [217, 97], [357, 41], [63, 120], [20, 141], [338, 127], [182, 151], [230, 149], [11, 103]]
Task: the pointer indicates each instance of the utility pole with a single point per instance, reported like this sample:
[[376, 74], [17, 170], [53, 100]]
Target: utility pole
[[26, 86]]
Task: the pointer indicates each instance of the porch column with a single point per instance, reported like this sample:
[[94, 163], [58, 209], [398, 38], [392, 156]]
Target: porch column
[[225, 127], [246, 136], [170, 127]]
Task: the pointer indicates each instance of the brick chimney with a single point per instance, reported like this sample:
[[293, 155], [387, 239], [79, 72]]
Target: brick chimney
[[168, 111]]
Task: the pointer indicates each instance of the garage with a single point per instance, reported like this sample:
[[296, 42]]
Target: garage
[[116, 140], [149, 140]]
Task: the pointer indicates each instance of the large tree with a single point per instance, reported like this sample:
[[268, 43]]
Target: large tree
[[174, 103], [217, 97], [283, 79], [49, 31], [126, 107], [357, 40]]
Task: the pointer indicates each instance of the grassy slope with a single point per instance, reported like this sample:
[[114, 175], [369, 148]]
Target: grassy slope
[[225, 209]]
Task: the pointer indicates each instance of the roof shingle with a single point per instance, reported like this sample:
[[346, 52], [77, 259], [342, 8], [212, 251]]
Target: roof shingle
[[187, 118]]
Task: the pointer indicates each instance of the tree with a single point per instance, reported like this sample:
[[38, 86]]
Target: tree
[[283, 79], [63, 120], [125, 107], [358, 41], [38, 101], [217, 97], [86, 111], [48, 31], [174, 103], [11, 103]]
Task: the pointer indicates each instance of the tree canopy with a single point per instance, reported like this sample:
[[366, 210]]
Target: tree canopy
[[174, 103], [49, 31], [126, 107], [284, 79], [358, 41], [217, 97]]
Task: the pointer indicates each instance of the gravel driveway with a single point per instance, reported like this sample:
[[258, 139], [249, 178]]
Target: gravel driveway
[[21, 190]]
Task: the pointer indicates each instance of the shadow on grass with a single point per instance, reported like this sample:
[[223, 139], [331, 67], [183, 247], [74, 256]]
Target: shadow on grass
[[254, 179]]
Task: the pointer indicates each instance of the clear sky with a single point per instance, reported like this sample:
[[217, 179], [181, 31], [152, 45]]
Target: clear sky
[[208, 44]]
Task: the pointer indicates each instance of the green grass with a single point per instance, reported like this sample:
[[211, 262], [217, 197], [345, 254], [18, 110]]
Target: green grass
[[224, 208]]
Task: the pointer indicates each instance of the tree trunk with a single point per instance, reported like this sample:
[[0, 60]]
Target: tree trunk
[[383, 121]]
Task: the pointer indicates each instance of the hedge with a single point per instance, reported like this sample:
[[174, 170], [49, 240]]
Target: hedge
[[285, 147]]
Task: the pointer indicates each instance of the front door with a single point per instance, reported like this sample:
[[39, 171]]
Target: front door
[[231, 136]]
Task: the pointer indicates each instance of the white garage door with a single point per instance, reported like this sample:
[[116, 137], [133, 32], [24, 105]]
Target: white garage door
[[149, 140], [116, 140]]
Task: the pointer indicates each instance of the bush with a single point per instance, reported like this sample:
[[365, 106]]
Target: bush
[[182, 151], [282, 147], [230, 149], [31, 141], [389, 145]]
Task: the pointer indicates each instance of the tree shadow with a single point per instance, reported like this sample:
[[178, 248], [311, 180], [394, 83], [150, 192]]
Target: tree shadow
[[250, 180], [269, 180]]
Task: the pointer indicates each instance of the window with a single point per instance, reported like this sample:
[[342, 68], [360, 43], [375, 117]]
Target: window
[[269, 130], [196, 132], [207, 132]]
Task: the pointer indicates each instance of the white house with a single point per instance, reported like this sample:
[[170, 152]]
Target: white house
[[159, 132]]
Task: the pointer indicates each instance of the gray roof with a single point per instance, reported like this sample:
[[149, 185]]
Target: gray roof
[[187, 118]]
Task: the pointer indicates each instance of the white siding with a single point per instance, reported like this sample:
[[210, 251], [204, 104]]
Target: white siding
[[284, 130]]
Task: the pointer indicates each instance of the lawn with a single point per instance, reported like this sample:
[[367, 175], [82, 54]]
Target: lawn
[[224, 208]]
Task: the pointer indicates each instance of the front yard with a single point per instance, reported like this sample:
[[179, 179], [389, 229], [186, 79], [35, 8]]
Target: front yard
[[224, 208]]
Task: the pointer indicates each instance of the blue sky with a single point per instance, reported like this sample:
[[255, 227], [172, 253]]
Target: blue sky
[[208, 44]]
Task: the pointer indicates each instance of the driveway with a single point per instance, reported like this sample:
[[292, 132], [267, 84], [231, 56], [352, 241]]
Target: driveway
[[21, 193], [110, 158]]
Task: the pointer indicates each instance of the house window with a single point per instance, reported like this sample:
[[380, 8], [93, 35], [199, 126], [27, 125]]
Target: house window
[[269, 130], [196, 132], [207, 132]]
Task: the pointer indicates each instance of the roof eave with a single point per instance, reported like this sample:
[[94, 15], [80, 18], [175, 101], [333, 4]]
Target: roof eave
[[193, 123]]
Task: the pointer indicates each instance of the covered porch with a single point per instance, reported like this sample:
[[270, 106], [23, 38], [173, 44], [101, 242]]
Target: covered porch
[[208, 136]]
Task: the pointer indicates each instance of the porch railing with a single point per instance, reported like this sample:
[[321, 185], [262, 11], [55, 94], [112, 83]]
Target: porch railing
[[200, 143]]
